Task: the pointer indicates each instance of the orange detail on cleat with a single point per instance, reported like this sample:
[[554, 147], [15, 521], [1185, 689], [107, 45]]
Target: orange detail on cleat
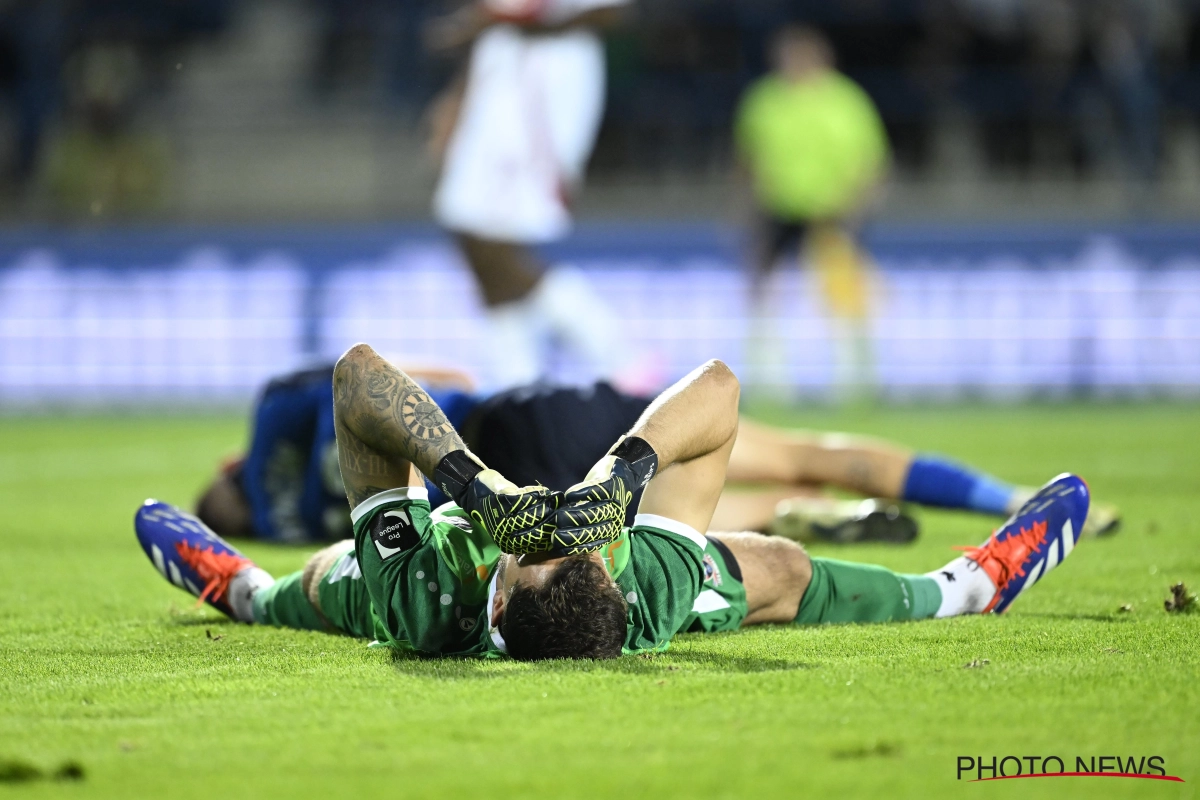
[[1004, 560], [216, 568]]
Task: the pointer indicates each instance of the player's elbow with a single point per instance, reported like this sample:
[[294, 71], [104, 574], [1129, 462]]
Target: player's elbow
[[723, 383], [354, 360], [348, 370], [357, 355]]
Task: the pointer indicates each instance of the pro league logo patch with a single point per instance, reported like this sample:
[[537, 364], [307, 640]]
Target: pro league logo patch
[[393, 532]]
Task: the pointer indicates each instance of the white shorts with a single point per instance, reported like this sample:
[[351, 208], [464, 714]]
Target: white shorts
[[524, 134]]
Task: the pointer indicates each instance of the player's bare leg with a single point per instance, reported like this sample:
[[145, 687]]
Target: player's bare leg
[[692, 427], [797, 465], [318, 565], [870, 467], [526, 303], [753, 508], [505, 272], [775, 571]]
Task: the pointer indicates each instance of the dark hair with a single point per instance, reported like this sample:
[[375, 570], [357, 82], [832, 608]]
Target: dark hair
[[223, 508], [576, 613]]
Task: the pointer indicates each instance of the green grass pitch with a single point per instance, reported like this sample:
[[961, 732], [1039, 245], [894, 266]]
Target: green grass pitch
[[102, 663]]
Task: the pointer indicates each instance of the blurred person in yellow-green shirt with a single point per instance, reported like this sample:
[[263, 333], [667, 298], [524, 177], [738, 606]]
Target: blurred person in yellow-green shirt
[[815, 151]]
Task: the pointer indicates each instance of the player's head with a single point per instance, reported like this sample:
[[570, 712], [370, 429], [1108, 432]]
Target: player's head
[[559, 608], [223, 506], [798, 51]]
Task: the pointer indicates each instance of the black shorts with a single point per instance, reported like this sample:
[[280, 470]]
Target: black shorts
[[550, 435]]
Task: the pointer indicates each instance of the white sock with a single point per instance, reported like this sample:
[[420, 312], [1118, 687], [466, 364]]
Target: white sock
[[966, 589], [566, 300], [853, 376], [242, 590], [515, 337], [766, 356]]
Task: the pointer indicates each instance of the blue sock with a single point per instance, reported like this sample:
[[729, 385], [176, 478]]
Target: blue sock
[[934, 481]]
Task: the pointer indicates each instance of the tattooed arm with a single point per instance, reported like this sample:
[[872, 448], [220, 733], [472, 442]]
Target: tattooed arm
[[384, 423]]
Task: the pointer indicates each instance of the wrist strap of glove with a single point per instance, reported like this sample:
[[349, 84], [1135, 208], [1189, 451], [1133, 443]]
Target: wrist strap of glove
[[641, 457], [454, 474]]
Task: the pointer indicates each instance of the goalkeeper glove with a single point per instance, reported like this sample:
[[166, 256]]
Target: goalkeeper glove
[[592, 512], [519, 519]]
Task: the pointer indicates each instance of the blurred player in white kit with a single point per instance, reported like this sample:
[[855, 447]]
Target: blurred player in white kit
[[514, 136]]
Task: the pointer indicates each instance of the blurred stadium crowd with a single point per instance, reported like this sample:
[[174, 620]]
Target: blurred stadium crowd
[[1070, 89], [1051, 84]]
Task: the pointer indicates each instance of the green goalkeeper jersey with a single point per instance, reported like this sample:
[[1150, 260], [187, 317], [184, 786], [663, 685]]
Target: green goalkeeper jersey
[[430, 576], [427, 573], [659, 565]]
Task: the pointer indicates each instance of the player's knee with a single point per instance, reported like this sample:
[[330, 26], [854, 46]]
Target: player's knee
[[356, 356], [721, 379], [721, 375], [792, 561], [318, 565]]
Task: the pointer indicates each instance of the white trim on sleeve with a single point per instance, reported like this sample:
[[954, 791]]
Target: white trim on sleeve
[[497, 639], [441, 513], [672, 526], [390, 496]]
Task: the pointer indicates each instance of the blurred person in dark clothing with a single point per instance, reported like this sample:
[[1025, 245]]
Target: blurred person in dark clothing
[[1124, 49], [31, 46], [102, 164], [815, 151]]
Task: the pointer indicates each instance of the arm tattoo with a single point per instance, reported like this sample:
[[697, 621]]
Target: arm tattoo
[[390, 414], [357, 494], [360, 460], [419, 414]]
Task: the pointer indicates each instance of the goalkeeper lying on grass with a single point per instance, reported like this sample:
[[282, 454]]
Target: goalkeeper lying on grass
[[541, 574]]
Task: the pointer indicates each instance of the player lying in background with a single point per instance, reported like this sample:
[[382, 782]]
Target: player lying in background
[[540, 574], [288, 487]]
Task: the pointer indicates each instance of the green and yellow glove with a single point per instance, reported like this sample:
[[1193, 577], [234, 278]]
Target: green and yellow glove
[[592, 512], [519, 519]]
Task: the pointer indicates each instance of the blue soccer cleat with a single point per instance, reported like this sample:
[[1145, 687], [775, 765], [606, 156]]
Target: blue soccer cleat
[[188, 554], [1034, 541]]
